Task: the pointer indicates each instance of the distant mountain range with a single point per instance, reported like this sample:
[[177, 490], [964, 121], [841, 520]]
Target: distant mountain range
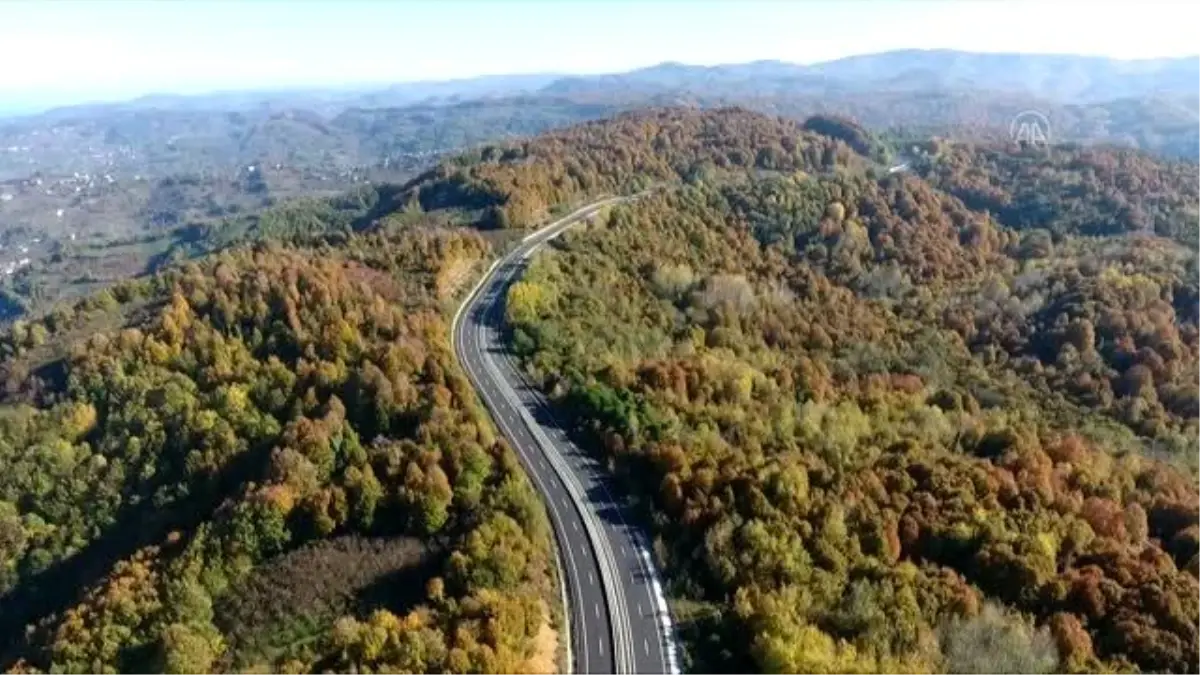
[[1067, 79], [1058, 78], [327, 101], [1150, 104]]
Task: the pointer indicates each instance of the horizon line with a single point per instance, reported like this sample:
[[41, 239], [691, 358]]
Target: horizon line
[[364, 86]]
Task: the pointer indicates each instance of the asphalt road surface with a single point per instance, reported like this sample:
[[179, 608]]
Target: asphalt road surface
[[619, 620]]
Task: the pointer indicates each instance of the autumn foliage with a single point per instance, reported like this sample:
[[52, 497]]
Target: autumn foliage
[[935, 420], [882, 429], [258, 403]]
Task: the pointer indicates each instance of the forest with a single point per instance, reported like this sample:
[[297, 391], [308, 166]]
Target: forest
[[266, 460], [937, 420], [517, 185], [880, 428]]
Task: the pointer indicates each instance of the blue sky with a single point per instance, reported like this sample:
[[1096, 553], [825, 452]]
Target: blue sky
[[65, 51]]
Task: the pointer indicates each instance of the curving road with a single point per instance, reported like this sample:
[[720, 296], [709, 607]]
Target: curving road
[[619, 620]]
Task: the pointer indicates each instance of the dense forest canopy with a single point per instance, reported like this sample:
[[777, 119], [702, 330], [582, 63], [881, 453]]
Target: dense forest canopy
[[517, 184], [881, 427], [267, 416], [937, 419]]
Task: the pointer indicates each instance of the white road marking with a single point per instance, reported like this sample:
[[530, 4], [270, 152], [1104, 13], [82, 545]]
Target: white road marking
[[645, 646], [640, 613], [591, 579], [575, 524], [601, 641], [596, 607]]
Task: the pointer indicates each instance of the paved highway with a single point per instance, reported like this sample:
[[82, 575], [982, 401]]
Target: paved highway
[[619, 621]]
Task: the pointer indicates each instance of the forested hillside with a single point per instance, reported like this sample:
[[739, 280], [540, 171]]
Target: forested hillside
[[942, 419], [880, 428], [517, 185], [266, 460], [91, 195]]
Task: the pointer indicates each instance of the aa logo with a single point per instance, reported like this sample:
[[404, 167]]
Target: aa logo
[[1030, 127]]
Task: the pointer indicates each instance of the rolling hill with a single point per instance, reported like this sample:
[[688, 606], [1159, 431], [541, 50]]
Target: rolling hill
[[935, 420], [1152, 105]]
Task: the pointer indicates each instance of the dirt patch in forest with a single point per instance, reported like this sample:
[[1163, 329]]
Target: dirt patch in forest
[[293, 599]]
